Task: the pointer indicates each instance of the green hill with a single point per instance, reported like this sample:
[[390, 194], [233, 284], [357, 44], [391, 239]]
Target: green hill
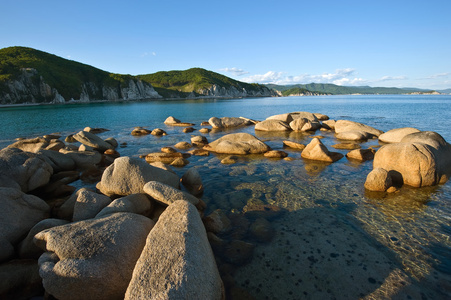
[[332, 89], [65, 76], [199, 82], [302, 91]]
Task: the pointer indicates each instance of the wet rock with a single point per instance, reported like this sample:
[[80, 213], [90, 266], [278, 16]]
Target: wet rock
[[396, 135], [266, 211], [158, 132], [134, 203], [316, 150], [168, 150], [378, 180], [199, 152], [346, 146], [204, 130], [19, 212], [239, 252], [129, 175], [166, 194], [272, 125], [238, 143], [23, 170], [92, 259], [177, 261], [361, 154], [293, 145], [192, 181], [183, 145], [179, 162], [92, 140], [217, 222], [228, 160], [139, 131], [112, 153], [298, 124], [275, 154], [199, 141], [95, 130], [88, 204], [227, 122], [188, 129], [205, 123], [262, 230], [70, 139], [345, 125], [166, 158], [27, 248]]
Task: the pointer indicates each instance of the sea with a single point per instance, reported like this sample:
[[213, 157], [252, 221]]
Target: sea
[[333, 239]]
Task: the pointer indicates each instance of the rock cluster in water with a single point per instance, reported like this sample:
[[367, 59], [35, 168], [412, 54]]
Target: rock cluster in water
[[138, 234]]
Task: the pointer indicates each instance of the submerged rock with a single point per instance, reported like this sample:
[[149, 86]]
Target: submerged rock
[[293, 145], [177, 261]]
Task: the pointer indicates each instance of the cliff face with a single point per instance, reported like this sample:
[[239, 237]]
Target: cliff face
[[30, 87], [233, 92]]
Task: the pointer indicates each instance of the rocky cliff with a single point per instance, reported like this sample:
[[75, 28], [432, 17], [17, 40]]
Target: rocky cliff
[[31, 87], [233, 92]]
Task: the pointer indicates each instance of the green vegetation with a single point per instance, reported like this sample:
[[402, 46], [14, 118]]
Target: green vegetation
[[298, 91], [194, 80], [332, 89], [66, 76]]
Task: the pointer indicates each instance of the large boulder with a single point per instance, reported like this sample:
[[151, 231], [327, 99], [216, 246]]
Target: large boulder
[[420, 159], [304, 114], [134, 203], [36, 144], [237, 143], [92, 140], [397, 134], [88, 204], [92, 259], [57, 160], [272, 125], [19, 212], [27, 248], [345, 125], [316, 150], [19, 279], [83, 159], [227, 122], [23, 170], [129, 175], [353, 135], [166, 194], [177, 261], [287, 118]]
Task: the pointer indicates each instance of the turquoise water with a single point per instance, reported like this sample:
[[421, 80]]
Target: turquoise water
[[336, 241]]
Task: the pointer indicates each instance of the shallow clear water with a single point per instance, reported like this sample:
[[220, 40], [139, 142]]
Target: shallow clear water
[[335, 241]]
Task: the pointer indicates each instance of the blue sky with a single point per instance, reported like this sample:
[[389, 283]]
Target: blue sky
[[377, 43]]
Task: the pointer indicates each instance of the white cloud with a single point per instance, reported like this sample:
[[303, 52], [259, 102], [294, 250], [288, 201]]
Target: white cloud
[[234, 71], [148, 53], [438, 76], [340, 77], [391, 78]]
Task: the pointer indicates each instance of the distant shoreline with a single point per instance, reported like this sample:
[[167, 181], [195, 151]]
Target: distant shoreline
[[76, 102]]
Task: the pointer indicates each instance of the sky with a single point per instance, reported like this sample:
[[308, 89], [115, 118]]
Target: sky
[[392, 43]]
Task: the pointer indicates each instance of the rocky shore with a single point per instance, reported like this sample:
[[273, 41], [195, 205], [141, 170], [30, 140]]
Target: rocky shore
[[142, 233]]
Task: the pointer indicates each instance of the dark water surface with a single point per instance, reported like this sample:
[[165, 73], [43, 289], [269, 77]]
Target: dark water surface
[[335, 241]]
